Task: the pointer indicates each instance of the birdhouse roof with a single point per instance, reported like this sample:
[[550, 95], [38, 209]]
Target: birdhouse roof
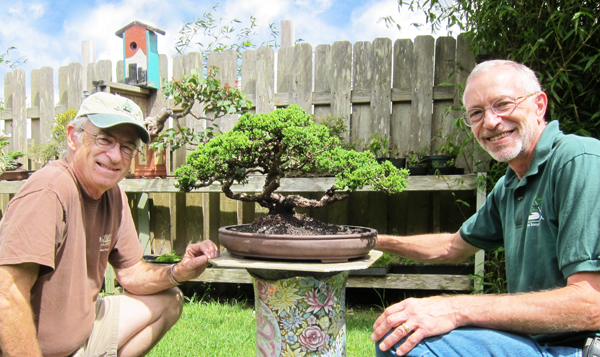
[[148, 27]]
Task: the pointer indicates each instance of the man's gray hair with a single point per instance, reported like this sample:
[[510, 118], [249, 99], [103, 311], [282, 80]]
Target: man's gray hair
[[527, 81], [78, 123]]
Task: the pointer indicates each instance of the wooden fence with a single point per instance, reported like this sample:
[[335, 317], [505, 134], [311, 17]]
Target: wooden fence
[[395, 89]]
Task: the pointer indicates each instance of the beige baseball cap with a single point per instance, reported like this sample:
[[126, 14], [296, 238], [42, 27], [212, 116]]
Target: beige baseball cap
[[106, 110]]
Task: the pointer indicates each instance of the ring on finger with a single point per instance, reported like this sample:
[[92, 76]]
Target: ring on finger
[[405, 327]]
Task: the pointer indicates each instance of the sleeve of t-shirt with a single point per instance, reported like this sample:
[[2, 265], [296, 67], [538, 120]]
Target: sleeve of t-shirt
[[32, 229], [578, 214], [484, 229], [128, 249]]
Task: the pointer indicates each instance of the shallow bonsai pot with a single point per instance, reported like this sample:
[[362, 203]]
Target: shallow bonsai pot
[[324, 248], [15, 175]]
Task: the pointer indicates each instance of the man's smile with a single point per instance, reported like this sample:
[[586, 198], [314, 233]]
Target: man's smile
[[498, 137]]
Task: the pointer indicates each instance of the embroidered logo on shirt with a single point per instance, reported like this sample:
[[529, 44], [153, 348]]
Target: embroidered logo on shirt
[[535, 217], [105, 242]]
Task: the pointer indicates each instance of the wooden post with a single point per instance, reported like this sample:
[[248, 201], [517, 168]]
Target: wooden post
[[287, 33], [88, 56], [46, 103]]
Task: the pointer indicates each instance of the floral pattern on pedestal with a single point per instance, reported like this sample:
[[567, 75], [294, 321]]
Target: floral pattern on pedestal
[[309, 316]]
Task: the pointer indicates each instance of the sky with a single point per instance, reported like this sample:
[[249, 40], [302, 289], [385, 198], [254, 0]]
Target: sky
[[50, 32]]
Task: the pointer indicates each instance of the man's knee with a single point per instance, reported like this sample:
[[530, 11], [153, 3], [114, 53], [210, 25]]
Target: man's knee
[[172, 303]]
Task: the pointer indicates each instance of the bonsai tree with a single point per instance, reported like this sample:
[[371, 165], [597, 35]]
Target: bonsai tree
[[216, 99], [8, 160], [283, 141]]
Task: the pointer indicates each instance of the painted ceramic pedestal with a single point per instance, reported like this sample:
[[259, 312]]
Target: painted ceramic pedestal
[[300, 313], [300, 306]]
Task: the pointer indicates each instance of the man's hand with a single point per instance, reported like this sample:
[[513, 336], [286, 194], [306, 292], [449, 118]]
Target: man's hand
[[420, 317], [195, 260]]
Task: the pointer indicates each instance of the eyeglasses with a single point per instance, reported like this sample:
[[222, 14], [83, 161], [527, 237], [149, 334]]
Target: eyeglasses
[[503, 106], [107, 142]]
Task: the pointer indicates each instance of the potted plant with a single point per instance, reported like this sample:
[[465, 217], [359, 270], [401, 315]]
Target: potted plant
[[417, 162], [384, 150], [167, 258], [9, 164], [444, 162], [271, 145]]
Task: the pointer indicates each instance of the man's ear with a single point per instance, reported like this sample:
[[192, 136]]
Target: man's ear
[[72, 139], [541, 102]]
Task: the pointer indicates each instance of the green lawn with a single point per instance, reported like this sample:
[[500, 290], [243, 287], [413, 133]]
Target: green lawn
[[215, 329]]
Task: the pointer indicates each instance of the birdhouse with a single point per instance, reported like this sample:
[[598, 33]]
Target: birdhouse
[[140, 52]]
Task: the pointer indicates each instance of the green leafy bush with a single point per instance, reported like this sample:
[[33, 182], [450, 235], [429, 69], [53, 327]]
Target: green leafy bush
[[45, 152], [283, 141], [172, 257]]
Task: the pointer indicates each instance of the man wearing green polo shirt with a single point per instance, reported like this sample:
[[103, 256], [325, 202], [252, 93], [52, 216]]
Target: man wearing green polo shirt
[[545, 212]]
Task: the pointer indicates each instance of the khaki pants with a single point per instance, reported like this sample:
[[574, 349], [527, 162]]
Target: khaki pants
[[103, 342]]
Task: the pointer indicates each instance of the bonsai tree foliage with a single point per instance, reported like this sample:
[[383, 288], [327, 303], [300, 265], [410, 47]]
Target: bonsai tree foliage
[[195, 88], [8, 161], [278, 143]]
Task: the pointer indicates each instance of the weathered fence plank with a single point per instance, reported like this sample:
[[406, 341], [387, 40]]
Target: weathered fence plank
[[443, 119], [249, 74], [46, 103], [285, 71], [340, 81], [381, 95], [322, 80], [19, 112], [423, 93], [303, 76], [227, 64], [400, 127], [265, 82], [362, 115]]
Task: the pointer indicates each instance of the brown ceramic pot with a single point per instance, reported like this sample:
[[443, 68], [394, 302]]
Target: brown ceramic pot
[[324, 248]]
